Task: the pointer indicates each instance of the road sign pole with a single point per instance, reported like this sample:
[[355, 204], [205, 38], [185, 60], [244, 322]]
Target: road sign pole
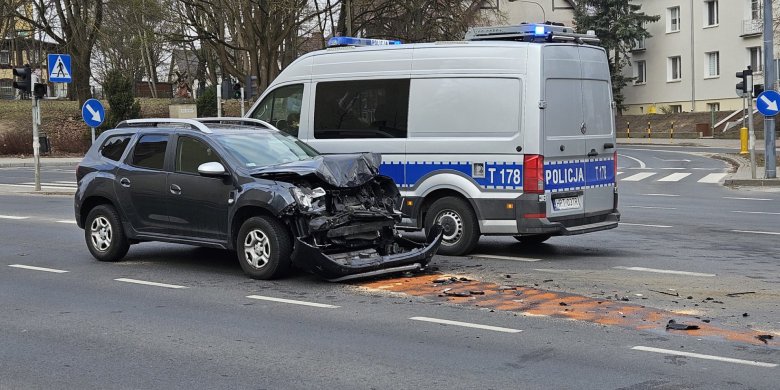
[[752, 137], [92, 131], [770, 166], [36, 143], [242, 102]]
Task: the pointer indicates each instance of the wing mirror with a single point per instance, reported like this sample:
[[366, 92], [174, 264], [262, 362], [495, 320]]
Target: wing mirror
[[212, 169]]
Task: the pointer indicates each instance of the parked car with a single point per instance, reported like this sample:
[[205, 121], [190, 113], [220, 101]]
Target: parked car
[[240, 184]]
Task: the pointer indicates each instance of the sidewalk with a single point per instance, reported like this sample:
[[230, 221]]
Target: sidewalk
[[13, 162], [696, 142]]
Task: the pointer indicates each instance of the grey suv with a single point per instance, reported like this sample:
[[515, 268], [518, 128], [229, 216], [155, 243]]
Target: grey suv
[[242, 185]]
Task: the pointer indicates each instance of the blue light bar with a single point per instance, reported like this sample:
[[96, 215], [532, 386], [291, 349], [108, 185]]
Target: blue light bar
[[352, 41], [539, 31]]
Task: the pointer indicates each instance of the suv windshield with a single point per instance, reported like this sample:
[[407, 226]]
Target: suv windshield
[[265, 148]]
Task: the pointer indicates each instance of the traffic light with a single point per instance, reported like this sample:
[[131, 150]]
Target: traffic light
[[39, 90], [744, 87], [25, 79], [236, 91], [757, 89]]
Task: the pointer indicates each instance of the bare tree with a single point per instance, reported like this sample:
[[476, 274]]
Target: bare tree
[[74, 25]]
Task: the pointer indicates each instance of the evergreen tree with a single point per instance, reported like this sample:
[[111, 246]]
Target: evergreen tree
[[619, 24], [118, 89]]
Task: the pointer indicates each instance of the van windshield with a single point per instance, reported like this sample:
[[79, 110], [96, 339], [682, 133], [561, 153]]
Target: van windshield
[[259, 149]]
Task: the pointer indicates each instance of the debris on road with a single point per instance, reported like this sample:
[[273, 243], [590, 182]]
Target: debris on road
[[675, 294], [477, 292], [745, 314], [739, 293], [765, 338], [674, 325]]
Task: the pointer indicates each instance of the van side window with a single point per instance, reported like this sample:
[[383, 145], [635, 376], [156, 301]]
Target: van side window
[[114, 147], [361, 109], [282, 108]]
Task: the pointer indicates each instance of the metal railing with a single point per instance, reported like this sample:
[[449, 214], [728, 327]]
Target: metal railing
[[752, 26]]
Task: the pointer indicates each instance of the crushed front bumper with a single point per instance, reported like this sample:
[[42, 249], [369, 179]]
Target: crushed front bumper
[[338, 267]]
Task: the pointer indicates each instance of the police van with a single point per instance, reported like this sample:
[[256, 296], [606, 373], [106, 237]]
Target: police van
[[510, 132]]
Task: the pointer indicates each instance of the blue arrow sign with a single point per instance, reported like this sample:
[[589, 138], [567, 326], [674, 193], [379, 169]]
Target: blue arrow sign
[[59, 68], [93, 113], [767, 103]]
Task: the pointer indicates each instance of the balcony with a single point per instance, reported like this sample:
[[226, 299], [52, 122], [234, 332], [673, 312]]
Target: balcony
[[752, 27]]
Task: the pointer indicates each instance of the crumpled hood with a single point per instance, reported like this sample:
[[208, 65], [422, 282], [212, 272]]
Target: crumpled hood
[[339, 170]]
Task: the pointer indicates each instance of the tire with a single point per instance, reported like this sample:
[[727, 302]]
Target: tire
[[264, 248], [535, 239], [461, 228], [106, 240]]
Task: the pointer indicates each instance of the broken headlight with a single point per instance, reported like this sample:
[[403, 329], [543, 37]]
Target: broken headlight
[[306, 197]]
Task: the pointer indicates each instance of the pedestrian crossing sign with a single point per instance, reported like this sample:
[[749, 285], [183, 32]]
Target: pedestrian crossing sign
[[59, 68]]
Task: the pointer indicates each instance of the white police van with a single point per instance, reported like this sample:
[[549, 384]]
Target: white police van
[[510, 132]]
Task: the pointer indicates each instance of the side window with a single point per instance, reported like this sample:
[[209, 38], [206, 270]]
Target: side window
[[361, 109], [282, 108], [114, 146], [149, 152], [190, 153]]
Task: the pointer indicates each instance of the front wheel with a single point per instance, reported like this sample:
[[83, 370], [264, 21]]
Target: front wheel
[[103, 232], [264, 248], [459, 225]]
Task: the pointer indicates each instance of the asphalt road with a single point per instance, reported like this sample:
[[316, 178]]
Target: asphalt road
[[85, 329]]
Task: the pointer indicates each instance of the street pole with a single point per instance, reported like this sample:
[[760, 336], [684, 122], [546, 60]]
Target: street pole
[[219, 97], [751, 127], [36, 114], [770, 166], [242, 102], [92, 131]]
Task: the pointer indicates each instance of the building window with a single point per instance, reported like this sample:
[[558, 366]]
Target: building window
[[675, 108], [711, 13], [641, 72], [673, 19], [713, 106], [5, 57], [713, 64], [674, 69], [756, 8], [639, 44], [756, 59], [7, 89]]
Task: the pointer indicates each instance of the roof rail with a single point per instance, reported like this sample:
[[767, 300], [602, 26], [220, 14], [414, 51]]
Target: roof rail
[[239, 120], [157, 121], [530, 32]]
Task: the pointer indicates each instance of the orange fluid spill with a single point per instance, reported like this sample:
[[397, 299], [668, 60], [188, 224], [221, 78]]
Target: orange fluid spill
[[536, 302]]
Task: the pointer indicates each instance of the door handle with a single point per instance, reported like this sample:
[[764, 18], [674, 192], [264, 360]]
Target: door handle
[[176, 190], [593, 153], [125, 182], [609, 145]]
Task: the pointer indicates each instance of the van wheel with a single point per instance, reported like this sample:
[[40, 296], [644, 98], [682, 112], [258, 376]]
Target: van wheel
[[533, 239], [459, 224], [264, 248], [103, 232]]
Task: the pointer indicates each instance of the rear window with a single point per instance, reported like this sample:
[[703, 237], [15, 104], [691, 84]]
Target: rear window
[[149, 152], [114, 147], [361, 109]]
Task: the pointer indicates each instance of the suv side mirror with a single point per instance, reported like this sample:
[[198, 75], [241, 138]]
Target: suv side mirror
[[212, 169]]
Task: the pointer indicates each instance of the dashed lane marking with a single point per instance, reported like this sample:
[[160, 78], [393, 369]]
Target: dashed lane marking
[[756, 232], [292, 301], [14, 217], [702, 356], [146, 283], [737, 198], [664, 271], [675, 176], [30, 267], [638, 176], [466, 324], [645, 225], [713, 178], [505, 257], [756, 212]]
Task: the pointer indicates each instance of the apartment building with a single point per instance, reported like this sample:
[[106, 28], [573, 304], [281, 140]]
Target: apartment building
[[537, 11], [14, 53], [690, 62]]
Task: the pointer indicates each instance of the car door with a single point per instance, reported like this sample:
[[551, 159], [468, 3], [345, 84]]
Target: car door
[[197, 204], [140, 185]]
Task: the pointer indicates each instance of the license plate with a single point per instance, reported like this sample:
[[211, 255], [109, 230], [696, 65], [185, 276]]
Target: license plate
[[567, 203]]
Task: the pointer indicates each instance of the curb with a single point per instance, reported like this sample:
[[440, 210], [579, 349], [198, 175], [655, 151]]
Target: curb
[[753, 182], [43, 164]]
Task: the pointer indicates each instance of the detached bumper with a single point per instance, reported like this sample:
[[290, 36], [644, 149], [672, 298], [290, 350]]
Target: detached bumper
[[360, 264]]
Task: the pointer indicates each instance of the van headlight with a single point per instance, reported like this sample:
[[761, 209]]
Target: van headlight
[[305, 197]]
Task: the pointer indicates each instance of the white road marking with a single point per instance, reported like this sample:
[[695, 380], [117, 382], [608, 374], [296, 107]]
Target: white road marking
[[675, 176], [42, 186], [736, 198], [14, 217], [756, 212], [756, 232], [135, 281], [505, 257], [659, 195], [702, 356], [645, 225], [65, 182], [712, 178], [30, 267], [638, 176], [651, 207], [642, 165], [619, 173], [674, 160], [292, 301], [664, 271], [66, 221], [466, 324], [50, 184]]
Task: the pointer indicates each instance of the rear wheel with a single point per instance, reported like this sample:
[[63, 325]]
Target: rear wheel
[[459, 224], [533, 239], [103, 232], [264, 248]]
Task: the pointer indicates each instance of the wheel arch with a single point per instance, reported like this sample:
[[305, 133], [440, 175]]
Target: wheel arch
[[248, 211]]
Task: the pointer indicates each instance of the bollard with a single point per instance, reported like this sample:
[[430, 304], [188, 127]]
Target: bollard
[[671, 132], [743, 138], [649, 130], [628, 129]]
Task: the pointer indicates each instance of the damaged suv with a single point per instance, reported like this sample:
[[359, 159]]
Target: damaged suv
[[240, 184]]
